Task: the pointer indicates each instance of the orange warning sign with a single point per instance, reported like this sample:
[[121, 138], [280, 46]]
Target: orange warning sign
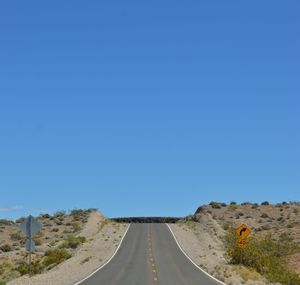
[[242, 243], [243, 231]]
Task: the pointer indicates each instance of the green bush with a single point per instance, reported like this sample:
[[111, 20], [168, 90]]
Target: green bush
[[36, 267], [55, 256], [77, 214], [215, 205], [266, 256], [73, 242], [6, 247]]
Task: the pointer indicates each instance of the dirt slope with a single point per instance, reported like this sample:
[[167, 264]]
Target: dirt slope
[[202, 235], [99, 237]]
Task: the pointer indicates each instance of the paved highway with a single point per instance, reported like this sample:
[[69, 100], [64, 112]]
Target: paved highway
[[149, 255]]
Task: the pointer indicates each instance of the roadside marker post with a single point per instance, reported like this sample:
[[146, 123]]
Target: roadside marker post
[[30, 227]]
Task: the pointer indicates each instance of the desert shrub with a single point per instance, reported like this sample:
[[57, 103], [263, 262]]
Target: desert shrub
[[238, 215], [59, 214], [52, 243], [16, 236], [38, 241], [73, 242], [20, 220], [77, 214], [45, 216], [5, 222], [266, 203], [215, 205], [90, 210], [76, 226], [190, 218], [233, 207], [36, 267], [233, 203], [6, 247], [264, 215], [55, 256], [266, 256], [246, 203], [22, 268]]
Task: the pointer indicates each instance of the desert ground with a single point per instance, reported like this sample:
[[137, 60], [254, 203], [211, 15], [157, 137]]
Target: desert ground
[[202, 236], [79, 243]]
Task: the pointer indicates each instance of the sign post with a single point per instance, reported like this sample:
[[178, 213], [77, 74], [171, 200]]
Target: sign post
[[242, 233], [30, 227]]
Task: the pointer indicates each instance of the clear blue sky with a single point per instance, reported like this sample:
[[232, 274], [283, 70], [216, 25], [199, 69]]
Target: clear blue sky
[[148, 107]]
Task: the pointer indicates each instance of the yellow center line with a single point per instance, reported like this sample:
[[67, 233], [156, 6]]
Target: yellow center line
[[150, 256]]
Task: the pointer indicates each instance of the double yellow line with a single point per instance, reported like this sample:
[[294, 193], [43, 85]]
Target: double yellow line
[[150, 256]]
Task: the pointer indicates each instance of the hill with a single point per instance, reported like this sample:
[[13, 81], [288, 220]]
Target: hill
[[204, 236], [69, 247]]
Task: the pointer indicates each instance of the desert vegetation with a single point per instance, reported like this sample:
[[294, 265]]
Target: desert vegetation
[[266, 255], [57, 242], [273, 253]]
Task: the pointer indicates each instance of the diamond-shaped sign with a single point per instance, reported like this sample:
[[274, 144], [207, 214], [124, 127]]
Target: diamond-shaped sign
[[243, 231], [30, 226]]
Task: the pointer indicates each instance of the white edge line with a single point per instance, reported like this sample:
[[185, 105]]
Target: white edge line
[[108, 261], [192, 260]]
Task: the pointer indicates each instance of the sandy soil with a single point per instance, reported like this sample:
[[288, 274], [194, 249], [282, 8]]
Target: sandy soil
[[103, 238], [202, 243]]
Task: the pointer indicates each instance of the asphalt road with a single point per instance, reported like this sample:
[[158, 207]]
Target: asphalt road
[[149, 255]]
